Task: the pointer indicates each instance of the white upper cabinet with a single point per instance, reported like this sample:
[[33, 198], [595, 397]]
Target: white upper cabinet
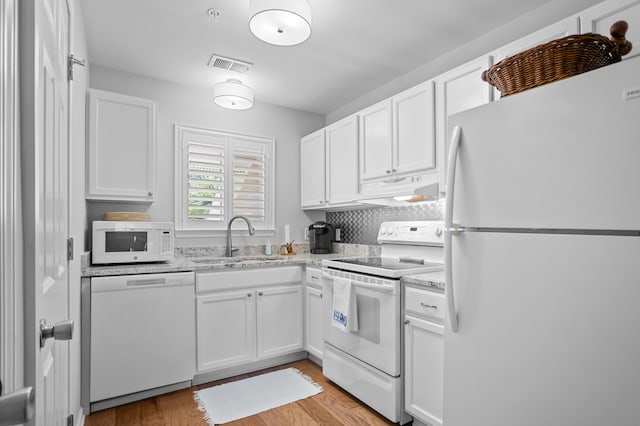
[[342, 161], [376, 138], [414, 129], [458, 90], [598, 19], [552, 32], [312, 170], [121, 148], [397, 138]]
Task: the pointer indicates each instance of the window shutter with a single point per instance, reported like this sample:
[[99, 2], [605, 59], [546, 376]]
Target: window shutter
[[249, 190], [205, 198]]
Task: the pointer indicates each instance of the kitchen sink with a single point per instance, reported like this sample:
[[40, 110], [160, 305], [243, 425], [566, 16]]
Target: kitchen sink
[[238, 259]]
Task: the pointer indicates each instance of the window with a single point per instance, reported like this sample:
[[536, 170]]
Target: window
[[220, 175]]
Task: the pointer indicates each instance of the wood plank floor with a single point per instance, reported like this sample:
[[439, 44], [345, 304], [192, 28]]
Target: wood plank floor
[[332, 407]]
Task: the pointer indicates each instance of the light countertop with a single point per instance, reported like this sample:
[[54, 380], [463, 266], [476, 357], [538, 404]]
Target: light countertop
[[185, 264]]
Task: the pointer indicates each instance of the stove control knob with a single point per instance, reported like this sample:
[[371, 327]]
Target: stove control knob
[[383, 231], [391, 231]]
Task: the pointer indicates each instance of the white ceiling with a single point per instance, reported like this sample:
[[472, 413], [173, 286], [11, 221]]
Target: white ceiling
[[355, 45]]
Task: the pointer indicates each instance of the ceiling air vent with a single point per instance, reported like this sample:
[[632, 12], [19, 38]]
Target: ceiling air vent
[[236, 65]]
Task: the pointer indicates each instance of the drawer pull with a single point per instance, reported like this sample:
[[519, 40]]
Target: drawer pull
[[424, 305]]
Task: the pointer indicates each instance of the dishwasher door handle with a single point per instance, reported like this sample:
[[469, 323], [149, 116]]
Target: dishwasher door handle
[[146, 281]]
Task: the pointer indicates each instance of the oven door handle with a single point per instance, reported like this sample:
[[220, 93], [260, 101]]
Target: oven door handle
[[383, 288]]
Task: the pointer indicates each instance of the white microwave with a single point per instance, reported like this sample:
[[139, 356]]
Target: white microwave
[[131, 242]]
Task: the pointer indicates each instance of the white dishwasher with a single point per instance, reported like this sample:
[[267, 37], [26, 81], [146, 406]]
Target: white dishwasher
[[142, 335]]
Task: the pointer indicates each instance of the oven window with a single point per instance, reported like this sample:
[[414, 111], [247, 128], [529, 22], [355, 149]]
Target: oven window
[[125, 241], [368, 318]]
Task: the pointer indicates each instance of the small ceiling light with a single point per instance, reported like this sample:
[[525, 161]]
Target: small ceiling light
[[280, 22], [233, 94]]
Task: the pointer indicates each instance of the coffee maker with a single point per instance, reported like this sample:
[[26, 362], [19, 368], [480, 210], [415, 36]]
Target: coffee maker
[[321, 236]]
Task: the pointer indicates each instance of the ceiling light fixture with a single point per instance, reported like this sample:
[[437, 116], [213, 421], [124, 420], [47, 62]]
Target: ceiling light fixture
[[280, 22], [233, 94]]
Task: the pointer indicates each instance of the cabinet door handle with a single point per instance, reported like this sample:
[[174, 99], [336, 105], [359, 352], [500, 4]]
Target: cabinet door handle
[[260, 293], [150, 193], [249, 294], [424, 305], [406, 322]]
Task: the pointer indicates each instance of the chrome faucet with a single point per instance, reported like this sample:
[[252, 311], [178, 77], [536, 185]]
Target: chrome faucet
[[252, 231]]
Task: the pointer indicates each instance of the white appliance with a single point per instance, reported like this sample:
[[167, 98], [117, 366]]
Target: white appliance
[[368, 362], [138, 337], [131, 242], [543, 256]]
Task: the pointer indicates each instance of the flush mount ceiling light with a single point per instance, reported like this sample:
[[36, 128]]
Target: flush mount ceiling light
[[280, 22], [233, 94]]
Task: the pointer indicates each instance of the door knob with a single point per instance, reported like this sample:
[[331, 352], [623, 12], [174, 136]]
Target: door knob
[[17, 407], [60, 331]]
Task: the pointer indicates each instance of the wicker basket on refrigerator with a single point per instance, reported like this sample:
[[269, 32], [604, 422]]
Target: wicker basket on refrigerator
[[558, 59]]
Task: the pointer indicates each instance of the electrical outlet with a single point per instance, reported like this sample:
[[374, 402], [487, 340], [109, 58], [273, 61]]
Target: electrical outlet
[[305, 233]]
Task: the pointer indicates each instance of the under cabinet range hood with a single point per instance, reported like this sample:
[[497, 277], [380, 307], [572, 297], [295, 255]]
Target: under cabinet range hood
[[395, 192]]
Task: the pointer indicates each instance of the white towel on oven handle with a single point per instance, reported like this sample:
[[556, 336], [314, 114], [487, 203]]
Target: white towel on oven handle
[[344, 312]]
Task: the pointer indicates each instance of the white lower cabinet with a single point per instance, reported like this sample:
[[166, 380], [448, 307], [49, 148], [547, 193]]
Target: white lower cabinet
[[248, 315], [313, 313], [279, 319], [424, 355], [226, 329]]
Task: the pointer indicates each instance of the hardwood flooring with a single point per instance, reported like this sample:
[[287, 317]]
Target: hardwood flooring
[[332, 407]]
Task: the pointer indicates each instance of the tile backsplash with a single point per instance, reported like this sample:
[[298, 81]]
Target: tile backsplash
[[361, 226]]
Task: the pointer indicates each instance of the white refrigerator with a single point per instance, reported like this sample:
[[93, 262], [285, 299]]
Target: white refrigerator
[[543, 256]]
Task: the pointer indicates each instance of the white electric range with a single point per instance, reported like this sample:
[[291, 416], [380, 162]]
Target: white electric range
[[368, 362]]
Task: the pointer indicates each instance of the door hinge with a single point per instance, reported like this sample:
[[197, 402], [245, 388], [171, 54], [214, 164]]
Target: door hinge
[[70, 421], [73, 61], [70, 248]]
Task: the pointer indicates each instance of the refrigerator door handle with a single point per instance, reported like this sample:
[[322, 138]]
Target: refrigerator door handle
[[451, 229]]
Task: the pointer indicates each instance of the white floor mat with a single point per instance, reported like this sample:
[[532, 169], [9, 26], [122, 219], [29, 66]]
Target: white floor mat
[[243, 398]]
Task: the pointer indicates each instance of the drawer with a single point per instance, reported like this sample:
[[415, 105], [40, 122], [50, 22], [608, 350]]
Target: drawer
[[424, 302], [235, 278], [312, 277]]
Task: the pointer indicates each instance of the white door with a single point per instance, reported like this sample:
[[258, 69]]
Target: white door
[[313, 323], [548, 330], [312, 170], [45, 194], [424, 363], [414, 129], [279, 320], [225, 329], [527, 161], [342, 161], [376, 140]]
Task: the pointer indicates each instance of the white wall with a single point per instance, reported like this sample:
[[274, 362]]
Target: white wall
[[194, 106], [77, 206], [548, 14]]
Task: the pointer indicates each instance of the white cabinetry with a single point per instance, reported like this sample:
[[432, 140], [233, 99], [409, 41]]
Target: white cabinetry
[[312, 170], [414, 145], [279, 320], [249, 315], [342, 161], [375, 140], [313, 312], [121, 148], [598, 19], [397, 138], [424, 354], [226, 329], [458, 90]]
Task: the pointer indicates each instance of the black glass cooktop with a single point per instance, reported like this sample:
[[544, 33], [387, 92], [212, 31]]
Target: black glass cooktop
[[388, 263]]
